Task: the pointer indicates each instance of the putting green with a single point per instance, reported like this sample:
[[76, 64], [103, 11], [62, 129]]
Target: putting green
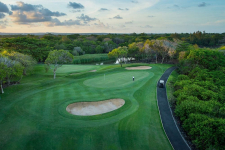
[[117, 79]]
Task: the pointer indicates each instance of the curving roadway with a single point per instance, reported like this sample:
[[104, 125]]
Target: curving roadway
[[168, 122]]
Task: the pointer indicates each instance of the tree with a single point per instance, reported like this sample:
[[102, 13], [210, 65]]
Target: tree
[[99, 49], [57, 58], [14, 68], [78, 51], [182, 47], [132, 49], [3, 70], [120, 53], [26, 61], [164, 48]]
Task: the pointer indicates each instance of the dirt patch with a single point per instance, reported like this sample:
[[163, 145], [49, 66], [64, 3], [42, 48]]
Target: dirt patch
[[93, 71], [94, 108], [139, 68]]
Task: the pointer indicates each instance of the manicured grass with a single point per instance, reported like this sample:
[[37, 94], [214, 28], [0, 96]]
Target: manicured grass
[[33, 114]]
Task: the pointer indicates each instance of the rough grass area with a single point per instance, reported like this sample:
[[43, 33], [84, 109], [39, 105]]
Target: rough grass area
[[33, 114]]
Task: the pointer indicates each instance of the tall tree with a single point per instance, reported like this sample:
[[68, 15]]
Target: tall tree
[[26, 61], [120, 53], [57, 58], [14, 68]]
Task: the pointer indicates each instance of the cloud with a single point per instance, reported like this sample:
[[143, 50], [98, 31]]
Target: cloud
[[24, 7], [83, 20], [134, 1], [86, 18], [123, 9], [2, 15], [29, 17], [129, 22], [103, 9], [101, 25], [57, 22], [151, 16], [3, 23], [47, 12], [117, 17], [3, 8], [203, 4], [75, 5], [147, 26], [26, 13], [213, 23], [75, 11]]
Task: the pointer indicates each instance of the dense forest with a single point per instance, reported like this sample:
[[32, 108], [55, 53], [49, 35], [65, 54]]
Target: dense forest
[[200, 97], [199, 56], [39, 46]]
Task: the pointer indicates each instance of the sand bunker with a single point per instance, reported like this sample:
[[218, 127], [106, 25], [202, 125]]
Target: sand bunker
[[94, 108], [139, 68], [93, 71]]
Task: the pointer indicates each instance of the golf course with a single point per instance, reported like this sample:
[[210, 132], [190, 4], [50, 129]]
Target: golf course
[[34, 113]]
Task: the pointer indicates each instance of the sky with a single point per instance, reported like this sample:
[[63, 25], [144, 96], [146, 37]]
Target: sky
[[112, 16]]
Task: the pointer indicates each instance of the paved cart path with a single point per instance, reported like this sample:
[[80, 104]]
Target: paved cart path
[[168, 121]]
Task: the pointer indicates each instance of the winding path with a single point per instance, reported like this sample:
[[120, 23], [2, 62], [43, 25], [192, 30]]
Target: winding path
[[169, 125]]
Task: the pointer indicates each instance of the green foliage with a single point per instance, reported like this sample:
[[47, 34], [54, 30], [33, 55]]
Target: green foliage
[[99, 49], [37, 48], [25, 60], [208, 59], [207, 132], [57, 58], [200, 95], [92, 58], [120, 53]]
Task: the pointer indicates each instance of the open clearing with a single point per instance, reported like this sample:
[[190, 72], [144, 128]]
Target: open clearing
[[33, 114]]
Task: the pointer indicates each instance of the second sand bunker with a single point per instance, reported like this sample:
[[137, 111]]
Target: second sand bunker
[[94, 108], [139, 68]]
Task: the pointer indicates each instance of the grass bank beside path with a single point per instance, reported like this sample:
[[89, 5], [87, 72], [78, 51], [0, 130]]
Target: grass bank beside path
[[33, 114]]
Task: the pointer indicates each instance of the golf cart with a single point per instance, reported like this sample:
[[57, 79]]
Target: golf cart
[[161, 83]]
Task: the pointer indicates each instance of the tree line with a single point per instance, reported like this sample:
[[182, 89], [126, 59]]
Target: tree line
[[200, 96], [13, 66], [40, 46]]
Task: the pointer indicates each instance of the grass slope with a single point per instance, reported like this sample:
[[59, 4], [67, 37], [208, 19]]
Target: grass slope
[[33, 114]]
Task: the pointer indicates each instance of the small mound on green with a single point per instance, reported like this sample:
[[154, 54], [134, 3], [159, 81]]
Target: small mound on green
[[116, 79]]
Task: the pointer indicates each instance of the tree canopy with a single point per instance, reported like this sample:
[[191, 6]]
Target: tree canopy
[[57, 58]]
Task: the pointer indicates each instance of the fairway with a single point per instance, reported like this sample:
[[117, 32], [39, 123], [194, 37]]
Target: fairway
[[33, 114]]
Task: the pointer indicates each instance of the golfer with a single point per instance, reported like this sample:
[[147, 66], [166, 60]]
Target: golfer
[[133, 78]]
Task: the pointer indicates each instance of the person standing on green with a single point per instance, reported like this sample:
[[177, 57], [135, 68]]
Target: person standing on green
[[133, 78]]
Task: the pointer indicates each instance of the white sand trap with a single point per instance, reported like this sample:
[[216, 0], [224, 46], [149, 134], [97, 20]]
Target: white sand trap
[[139, 68], [93, 71], [94, 108]]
